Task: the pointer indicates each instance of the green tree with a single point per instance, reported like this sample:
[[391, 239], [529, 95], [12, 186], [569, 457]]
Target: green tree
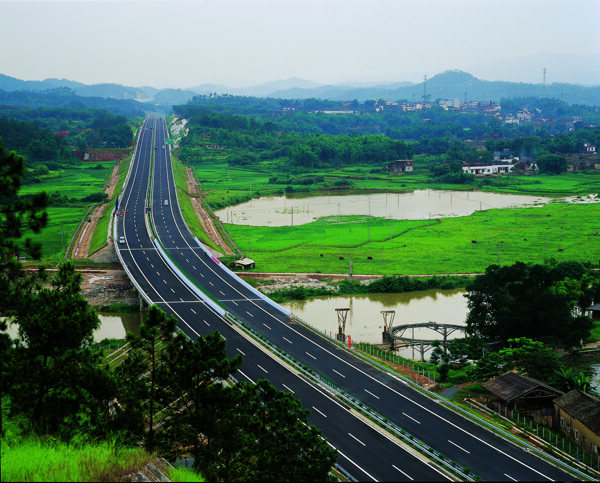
[[58, 383], [523, 355], [190, 380], [157, 335], [17, 216], [285, 447], [552, 163], [534, 301], [532, 357]]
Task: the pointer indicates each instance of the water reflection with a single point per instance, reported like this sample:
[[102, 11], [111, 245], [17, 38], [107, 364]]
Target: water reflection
[[365, 321], [413, 205], [595, 377], [112, 326], [115, 326]]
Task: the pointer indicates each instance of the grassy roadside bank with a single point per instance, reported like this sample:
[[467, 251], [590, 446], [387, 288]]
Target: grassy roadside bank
[[45, 459]]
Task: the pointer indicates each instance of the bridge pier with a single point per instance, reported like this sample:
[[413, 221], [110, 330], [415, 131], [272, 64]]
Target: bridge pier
[[143, 304], [342, 315], [388, 320]]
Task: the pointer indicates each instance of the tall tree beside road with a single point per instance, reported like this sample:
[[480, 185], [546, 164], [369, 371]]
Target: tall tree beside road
[[58, 383], [190, 384], [285, 447], [241, 432], [17, 216], [156, 335], [540, 302]]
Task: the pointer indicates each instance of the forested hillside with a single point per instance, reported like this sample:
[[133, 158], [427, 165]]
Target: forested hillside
[[66, 98]]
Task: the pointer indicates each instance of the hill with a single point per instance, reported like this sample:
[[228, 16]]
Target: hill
[[447, 85], [451, 85]]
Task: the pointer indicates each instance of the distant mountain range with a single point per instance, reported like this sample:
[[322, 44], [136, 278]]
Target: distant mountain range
[[447, 85]]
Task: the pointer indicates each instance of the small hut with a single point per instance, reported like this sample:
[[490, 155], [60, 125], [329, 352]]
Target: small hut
[[243, 263]]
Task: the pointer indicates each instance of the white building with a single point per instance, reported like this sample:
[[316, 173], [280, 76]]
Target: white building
[[480, 169]]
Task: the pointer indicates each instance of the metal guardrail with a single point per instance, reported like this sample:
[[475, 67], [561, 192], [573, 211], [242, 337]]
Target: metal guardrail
[[357, 404]]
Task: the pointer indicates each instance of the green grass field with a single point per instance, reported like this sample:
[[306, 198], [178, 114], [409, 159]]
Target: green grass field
[[451, 245], [100, 234]]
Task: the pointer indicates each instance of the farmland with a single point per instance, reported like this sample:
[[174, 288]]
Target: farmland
[[564, 231], [73, 183]]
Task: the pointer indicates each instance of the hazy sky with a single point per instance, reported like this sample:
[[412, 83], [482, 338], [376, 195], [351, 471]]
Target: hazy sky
[[245, 42]]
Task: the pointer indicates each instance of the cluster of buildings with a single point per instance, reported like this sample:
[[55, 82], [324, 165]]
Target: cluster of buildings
[[505, 162], [575, 414]]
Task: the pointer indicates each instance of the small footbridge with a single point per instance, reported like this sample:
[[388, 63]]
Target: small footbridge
[[404, 335]]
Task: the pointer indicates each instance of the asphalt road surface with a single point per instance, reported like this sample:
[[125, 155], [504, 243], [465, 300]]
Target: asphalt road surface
[[362, 450]]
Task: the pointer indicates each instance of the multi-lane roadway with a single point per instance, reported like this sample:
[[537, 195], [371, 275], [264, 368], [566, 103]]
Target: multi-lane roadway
[[364, 452]]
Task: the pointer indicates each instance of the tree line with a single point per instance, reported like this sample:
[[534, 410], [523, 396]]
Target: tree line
[[439, 143]]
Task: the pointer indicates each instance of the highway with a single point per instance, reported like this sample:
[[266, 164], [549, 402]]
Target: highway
[[364, 452], [488, 455]]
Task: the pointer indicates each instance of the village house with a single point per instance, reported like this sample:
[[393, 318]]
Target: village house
[[577, 416], [401, 166], [487, 169], [594, 311], [532, 398], [583, 161]]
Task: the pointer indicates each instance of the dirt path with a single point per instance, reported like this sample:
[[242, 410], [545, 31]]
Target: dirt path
[[207, 222], [81, 249]]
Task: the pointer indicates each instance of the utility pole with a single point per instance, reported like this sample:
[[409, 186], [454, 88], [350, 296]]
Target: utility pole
[[350, 262]]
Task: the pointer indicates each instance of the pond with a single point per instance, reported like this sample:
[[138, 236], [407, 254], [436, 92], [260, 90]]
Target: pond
[[413, 205], [115, 326], [112, 326]]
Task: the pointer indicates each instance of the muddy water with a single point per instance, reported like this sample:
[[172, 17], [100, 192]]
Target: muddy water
[[115, 326], [414, 205], [112, 326], [365, 322]]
